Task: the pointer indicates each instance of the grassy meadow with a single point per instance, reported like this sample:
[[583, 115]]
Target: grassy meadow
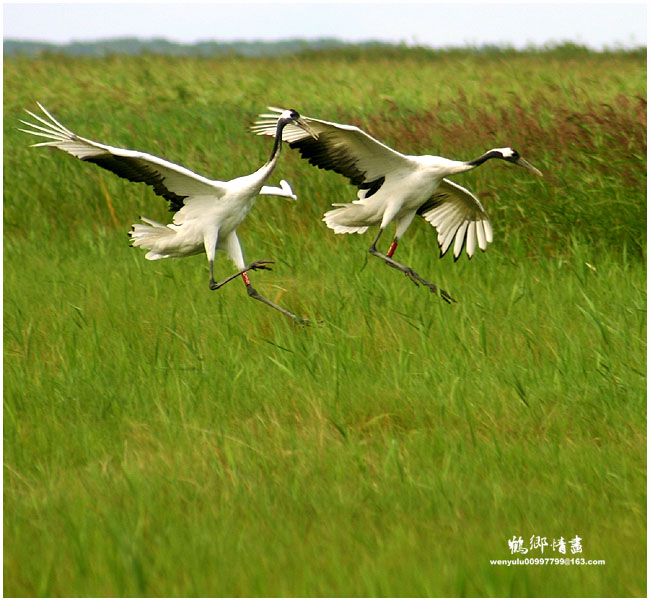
[[161, 439]]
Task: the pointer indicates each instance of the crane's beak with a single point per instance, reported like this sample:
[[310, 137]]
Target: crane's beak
[[300, 122], [524, 163]]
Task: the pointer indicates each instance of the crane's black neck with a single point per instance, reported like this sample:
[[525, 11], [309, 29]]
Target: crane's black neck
[[492, 154], [277, 144], [264, 172]]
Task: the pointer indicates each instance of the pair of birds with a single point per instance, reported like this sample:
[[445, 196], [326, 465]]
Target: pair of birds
[[392, 187]]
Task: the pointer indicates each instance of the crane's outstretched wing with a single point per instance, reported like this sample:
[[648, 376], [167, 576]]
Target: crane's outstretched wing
[[345, 149], [456, 212], [173, 182]]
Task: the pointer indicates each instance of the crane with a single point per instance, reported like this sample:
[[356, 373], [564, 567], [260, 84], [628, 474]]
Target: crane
[[394, 187], [206, 212]]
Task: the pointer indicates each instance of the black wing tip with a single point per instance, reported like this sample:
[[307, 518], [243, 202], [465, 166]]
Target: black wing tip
[[138, 171]]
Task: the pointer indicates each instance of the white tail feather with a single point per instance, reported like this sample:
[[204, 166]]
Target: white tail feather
[[154, 236], [337, 220]]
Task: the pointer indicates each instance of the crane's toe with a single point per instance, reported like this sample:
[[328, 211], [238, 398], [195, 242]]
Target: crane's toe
[[411, 275], [448, 298], [418, 279], [260, 265], [444, 295]]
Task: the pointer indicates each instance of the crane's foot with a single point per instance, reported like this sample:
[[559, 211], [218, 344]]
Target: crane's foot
[[417, 279], [263, 264], [259, 265], [413, 276], [257, 296]]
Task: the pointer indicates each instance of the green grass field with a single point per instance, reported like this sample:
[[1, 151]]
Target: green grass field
[[161, 439]]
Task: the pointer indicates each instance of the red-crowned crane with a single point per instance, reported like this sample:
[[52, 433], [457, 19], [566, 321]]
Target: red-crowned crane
[[394, 187], [207, 212]]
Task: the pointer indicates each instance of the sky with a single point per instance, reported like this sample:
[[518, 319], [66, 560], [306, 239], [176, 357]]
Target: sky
[[435, 24]]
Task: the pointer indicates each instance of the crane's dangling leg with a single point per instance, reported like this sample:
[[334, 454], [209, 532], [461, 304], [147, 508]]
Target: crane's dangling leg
[[233, 248], [210, 241], [257, 296], [253, 266], [414, 277]]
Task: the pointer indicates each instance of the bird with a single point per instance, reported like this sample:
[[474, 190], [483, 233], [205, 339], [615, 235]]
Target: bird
[[206, 212], [395, 187]]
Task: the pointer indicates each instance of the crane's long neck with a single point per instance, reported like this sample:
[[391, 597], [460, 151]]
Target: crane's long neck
[[264, 172], [277, 145], [463, 166], [491, 154]]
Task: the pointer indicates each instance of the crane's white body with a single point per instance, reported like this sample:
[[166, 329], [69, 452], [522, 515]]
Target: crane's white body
[[401, 194], [208, 212], [207, 223], [461, 217]]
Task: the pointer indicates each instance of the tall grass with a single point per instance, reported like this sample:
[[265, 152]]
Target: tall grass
[[162, 439]]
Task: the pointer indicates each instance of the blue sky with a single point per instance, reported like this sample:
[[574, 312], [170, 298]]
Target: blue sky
[[434, 24]]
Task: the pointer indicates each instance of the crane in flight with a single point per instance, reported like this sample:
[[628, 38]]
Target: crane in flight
[[206, 212], [394, 187]]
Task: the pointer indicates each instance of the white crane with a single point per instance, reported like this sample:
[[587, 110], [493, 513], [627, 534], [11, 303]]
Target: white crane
[[207, 212], [394, 187]]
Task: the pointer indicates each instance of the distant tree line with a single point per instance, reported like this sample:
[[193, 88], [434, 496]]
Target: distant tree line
[[137, 46], [166, 47]]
